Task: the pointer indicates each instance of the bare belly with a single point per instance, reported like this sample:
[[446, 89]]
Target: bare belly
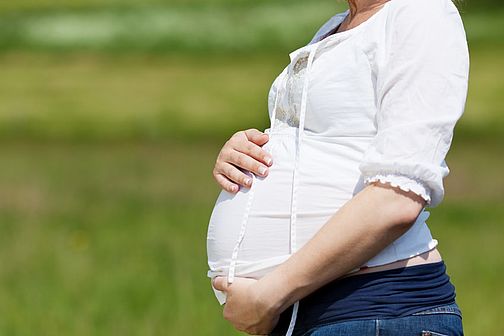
[[424, 258]]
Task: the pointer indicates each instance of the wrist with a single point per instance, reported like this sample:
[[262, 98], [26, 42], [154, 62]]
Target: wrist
[[275, 292]]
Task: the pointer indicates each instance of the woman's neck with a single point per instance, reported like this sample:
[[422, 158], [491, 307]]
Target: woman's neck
[[360, 11], [364, 6]]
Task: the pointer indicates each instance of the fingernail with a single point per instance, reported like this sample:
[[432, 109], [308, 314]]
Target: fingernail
[[233, 188], [262, 170], [247, 181], [268, 160]]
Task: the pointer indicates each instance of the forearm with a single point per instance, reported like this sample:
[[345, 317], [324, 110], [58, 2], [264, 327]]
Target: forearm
[[364, 226]]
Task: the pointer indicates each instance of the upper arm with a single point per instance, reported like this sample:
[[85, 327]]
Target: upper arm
[[420, 93]]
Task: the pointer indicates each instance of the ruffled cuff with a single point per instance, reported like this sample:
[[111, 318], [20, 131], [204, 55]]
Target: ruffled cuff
[[404, 182]]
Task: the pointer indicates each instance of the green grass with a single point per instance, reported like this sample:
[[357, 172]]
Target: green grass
[[111, 117], [56, 5], [79, 97], [483, 112], [105, 240], [155, 28], [109, 239], [132, 97], [188, 27]]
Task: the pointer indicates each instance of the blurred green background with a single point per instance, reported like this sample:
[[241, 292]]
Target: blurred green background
[[111, 116]]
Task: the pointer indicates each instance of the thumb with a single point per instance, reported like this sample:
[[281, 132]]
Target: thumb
[[220, 283]]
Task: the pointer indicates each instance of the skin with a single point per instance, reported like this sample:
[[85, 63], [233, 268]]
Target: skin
[[364, 226], [242, 150]]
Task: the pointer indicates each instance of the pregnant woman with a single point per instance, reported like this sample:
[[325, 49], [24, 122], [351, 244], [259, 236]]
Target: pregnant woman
[[321, 227]]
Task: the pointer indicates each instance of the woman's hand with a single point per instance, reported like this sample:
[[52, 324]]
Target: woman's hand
[[246, 308], [242, 150]]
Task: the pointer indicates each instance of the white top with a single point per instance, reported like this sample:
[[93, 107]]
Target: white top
[[418, 62], [376, 102]]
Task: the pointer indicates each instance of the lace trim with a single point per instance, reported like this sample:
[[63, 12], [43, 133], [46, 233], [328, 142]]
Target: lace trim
[[289, 106], [404, 183]]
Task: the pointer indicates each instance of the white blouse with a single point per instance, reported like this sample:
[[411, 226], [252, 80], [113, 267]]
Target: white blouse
[[376, 102], [415, 53]]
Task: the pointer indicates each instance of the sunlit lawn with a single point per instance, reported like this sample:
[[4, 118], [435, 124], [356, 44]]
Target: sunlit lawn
[[106, 159], [83, 96], [105, 240], [109, 239], [106, 190]]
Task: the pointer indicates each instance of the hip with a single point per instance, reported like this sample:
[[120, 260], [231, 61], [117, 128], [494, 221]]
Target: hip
[[440, 321], [366, 299]]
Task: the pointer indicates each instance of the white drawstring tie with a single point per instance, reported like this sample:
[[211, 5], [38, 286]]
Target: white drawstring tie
[[295, 181], [241, 235]]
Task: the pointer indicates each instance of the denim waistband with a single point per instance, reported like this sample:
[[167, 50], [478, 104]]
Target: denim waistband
[[392, 293], [451, 308]]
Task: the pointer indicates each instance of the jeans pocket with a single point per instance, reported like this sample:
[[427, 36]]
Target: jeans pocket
[[432, 333]]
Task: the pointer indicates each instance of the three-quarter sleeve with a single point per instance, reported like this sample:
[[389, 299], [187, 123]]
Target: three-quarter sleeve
[[421, 88]]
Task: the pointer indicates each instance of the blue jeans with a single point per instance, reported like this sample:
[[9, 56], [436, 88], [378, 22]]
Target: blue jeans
[[440, 321]]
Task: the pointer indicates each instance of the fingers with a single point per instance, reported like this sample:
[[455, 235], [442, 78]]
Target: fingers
[[261, 157], [241, 154], [243, 142], [252, 146], [220, 283], [256, 136], [247, 162], [229, 176], [226, 184]]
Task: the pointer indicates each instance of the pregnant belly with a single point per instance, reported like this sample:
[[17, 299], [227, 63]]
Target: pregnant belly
[[328, 177]]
